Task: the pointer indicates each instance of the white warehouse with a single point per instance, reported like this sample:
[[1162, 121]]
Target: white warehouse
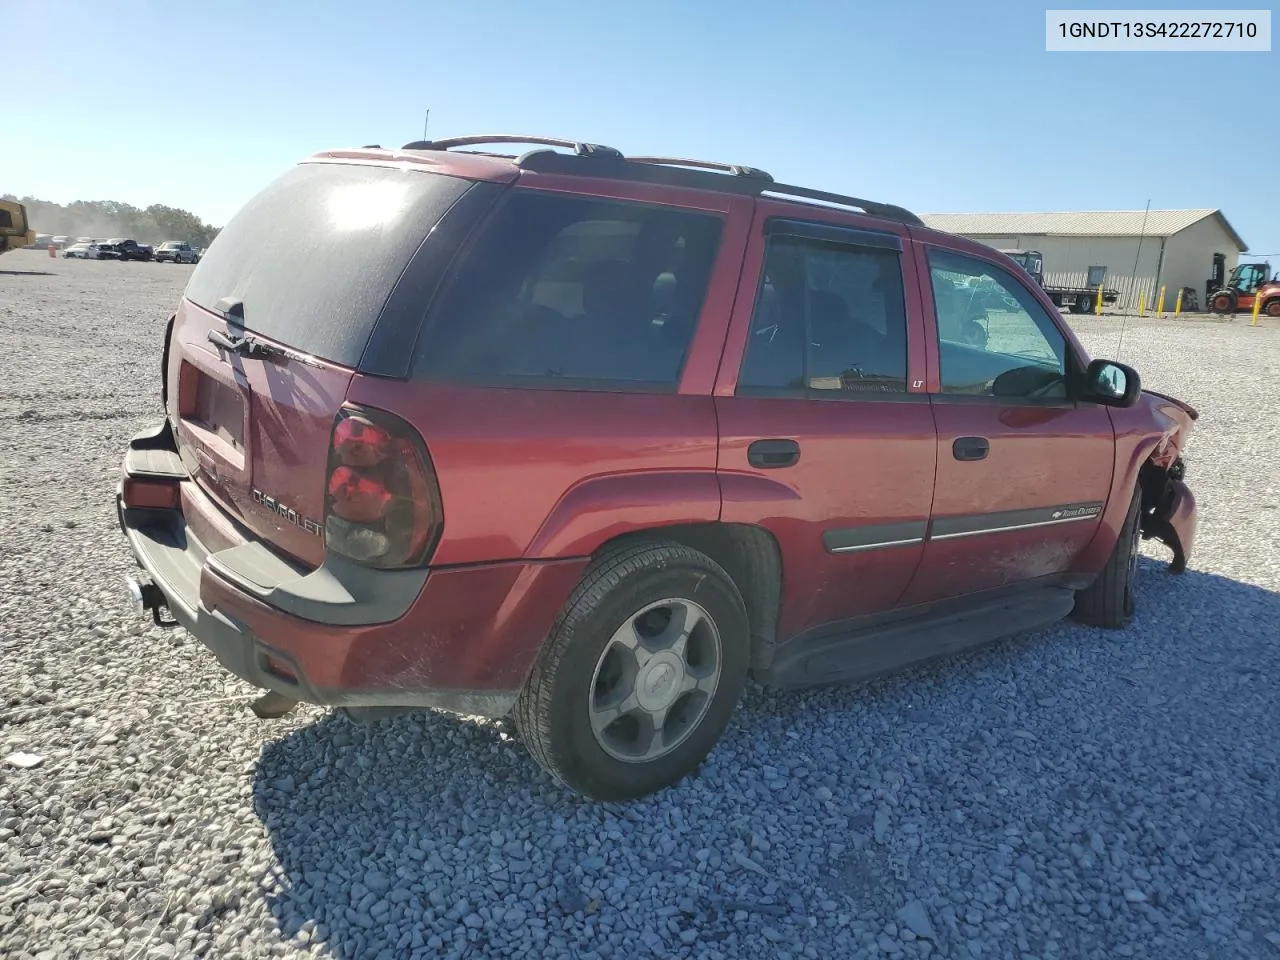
[[1179, 248]]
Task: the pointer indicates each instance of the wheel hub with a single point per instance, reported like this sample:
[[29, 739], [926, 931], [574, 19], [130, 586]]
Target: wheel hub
[[659, 681]]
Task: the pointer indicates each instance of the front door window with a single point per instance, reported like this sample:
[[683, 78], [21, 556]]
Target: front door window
[[994, 337]]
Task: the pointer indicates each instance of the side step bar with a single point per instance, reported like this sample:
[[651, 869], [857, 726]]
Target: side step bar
[[879, 648]]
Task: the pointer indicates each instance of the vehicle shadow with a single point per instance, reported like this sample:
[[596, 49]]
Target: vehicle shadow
[[26, 273], [429, 835]]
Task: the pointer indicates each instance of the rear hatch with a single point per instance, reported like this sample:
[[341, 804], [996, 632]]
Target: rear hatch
[[302, 272]]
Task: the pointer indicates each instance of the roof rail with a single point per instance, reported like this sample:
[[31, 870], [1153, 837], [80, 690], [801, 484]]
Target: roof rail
[[579, 148], [593, 159], [738, 170], [888, 211]]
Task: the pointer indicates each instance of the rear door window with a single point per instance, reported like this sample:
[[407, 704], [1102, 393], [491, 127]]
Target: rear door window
[[566, 291], [314, 256]]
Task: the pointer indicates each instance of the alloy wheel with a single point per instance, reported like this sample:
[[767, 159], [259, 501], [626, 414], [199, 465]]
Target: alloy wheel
[[655, 680]]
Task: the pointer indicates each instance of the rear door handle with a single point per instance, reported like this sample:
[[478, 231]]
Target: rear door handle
[[970, 448], [771, 454]]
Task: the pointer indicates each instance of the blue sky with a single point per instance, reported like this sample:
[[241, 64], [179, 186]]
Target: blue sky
[[936, 106]]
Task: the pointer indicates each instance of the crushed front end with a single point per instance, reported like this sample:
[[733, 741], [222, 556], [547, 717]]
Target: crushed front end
[[1168, 505]]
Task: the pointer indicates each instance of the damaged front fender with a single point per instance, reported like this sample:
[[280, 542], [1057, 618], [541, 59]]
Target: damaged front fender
[[1170, 515]]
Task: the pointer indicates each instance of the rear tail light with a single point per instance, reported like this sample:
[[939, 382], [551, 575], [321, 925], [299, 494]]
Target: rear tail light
[[382, 501], [358, 495]]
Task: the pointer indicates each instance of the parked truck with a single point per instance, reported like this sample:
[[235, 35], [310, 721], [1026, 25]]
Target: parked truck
[[1078, 299], [15, 231]]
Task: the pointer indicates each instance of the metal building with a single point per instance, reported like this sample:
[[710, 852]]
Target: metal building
[[1178, 248]]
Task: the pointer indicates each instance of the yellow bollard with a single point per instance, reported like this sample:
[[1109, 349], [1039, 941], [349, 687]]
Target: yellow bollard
[[1142, 304], [1177, 307], [1098, 309], [1160, 308], [1257, 308]]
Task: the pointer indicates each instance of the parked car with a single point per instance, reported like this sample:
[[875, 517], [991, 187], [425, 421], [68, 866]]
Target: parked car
[[76, 251], [664, 425], [131, 249], [61, 242], [176, 251], [101, 251]]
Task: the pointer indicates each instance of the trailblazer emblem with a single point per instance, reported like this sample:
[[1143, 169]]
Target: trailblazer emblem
[[1074, 513]]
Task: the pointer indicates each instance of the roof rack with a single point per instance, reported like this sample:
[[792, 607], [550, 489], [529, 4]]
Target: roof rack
[[738, 170], [888, 211], [579, 148], [593, 159]]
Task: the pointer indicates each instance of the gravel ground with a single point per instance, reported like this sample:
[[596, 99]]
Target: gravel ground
[[1076, 793]]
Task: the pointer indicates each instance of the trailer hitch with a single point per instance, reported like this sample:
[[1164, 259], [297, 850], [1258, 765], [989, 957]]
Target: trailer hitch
[[147, 596]]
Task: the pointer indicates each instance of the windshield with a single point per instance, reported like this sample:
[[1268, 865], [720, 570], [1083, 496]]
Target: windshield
[[1248, 275], [1027, 261]]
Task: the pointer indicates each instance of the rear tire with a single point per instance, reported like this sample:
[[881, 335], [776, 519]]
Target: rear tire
[[585, 673], [1223, 303], [1109, 601], [1084, 303]]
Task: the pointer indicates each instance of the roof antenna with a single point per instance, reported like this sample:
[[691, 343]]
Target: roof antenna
[[424, 124], [1133, 280]]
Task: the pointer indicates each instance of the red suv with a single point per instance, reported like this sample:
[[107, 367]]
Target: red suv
[[587, 439]]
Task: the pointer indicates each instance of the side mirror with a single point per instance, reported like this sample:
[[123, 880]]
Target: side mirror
[[1111, 384]]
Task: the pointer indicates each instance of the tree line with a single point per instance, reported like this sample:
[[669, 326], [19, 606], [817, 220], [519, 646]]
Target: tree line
[[109, 218]]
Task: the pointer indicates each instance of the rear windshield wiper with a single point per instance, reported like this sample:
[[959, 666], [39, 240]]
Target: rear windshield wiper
[[245, 346]]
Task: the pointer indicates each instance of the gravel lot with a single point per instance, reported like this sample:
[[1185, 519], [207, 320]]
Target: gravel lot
[[1076, 793]]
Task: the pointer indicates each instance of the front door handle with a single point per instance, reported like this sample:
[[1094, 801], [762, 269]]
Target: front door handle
[[970, 448], [771, 454]]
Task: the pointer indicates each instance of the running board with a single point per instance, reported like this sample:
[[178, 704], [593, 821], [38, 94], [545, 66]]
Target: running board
[[878, 648]]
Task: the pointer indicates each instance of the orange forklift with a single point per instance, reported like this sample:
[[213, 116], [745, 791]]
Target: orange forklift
[[1248, 282]]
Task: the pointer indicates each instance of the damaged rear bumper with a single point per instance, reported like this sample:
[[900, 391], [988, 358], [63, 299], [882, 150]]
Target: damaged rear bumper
[[1173, 522]]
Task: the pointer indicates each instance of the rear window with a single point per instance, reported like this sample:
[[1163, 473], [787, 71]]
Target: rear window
[[574, 292], [314, 256]]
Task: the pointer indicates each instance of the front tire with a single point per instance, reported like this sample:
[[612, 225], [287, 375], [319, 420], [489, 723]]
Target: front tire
[[640, 673], [1109, 601]]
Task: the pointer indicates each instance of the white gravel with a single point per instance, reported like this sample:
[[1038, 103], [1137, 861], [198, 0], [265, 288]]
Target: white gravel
[[1073, 794]]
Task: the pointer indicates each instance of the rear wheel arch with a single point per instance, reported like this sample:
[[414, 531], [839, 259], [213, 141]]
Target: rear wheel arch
[[749, 554]]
